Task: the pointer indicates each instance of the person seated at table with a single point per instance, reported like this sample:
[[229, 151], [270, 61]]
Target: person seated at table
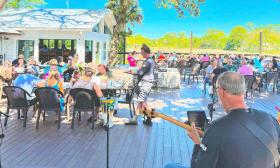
[[205, 58], [86, 83], [20, 67], [61, 65], [103, 75], [209, 71], [32, 67], [67, 74], [52, 67], [274, 65], [54, 81], [229, 65], [16, 61], [258, 65], [76, 76], [172, 60], [217, 71], [245, 69]]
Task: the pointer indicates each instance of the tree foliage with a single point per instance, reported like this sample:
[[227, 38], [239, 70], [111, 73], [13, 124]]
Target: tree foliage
[[240, 38], [24, 3], [236, 38], [191, 7]]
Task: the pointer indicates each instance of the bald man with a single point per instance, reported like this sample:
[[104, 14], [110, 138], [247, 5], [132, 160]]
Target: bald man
[[244, 138]]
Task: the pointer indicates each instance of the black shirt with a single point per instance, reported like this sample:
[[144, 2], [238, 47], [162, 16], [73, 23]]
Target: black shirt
[[218, 71], [231, 145]]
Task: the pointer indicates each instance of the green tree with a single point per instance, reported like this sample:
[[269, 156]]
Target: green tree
[[183, 6], [236, 38], [214, 39], [20, 3], [125, 12]]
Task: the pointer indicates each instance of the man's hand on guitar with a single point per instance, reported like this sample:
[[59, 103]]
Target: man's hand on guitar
[[193, 134]]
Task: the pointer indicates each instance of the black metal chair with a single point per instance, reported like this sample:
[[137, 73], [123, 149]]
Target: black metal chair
[[129, 100], [17, 100], [271, 77], [84, 101], [198, 118], [195, 73], [249, 81], [49, 100]]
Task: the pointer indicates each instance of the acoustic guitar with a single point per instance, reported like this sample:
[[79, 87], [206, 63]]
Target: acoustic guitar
[[153, 114]]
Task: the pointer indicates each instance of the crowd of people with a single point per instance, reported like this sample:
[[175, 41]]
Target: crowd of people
[[245, 137], [56, 74]]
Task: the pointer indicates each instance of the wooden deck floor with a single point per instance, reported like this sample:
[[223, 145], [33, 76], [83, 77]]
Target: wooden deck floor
[[130, 146]]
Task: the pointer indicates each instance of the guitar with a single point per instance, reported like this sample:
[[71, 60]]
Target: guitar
[[151, 113]]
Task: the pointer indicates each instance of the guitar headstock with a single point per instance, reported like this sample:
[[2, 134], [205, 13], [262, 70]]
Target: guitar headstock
[[149, 112]]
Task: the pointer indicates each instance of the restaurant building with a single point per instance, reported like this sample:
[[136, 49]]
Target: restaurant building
[[48, 33]]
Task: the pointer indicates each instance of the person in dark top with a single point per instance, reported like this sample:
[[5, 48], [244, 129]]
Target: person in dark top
[[67, 74], [216, 72], [230, 66], [146, 78], [274, 65], [230, 142]]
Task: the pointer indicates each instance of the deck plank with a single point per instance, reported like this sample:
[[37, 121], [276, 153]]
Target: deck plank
[[130, 146]]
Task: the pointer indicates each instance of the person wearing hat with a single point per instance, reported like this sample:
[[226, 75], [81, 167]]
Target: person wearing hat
[[19, 67], [16, 62], [86, 83]]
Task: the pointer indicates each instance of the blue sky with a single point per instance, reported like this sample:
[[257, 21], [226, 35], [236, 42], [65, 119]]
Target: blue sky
[[218, 14]]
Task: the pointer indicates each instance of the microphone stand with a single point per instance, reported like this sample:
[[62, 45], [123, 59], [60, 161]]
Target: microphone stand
[[2, 135], [211, 110], [107, 129]]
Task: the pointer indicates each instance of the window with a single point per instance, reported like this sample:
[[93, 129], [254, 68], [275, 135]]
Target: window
[[88, 50], [52, 48], [107, 30], [26, 47], [96, 28]]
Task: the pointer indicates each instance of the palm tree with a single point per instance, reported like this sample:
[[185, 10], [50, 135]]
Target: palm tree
[[125, 12], [129, 12]]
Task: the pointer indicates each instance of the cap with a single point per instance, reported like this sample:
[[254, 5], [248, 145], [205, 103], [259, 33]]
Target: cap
[[21, 56]]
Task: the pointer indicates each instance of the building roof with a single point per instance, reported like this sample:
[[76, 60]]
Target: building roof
[[6, 30], [20, 19]]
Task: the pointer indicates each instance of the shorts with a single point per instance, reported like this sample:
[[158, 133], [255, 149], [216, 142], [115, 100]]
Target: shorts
[[144, 89]]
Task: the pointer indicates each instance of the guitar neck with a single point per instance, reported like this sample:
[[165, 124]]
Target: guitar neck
[[178, 123]]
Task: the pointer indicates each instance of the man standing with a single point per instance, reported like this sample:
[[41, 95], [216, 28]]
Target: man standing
[[243, 138], [145, 82]]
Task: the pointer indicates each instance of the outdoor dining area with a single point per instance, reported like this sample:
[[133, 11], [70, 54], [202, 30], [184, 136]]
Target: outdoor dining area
[[61, 119]]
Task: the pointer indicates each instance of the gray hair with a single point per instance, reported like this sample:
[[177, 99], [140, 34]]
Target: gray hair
[[232, 82]]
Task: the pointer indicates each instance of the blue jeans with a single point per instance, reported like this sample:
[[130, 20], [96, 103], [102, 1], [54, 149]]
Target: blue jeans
[[175, 165]]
